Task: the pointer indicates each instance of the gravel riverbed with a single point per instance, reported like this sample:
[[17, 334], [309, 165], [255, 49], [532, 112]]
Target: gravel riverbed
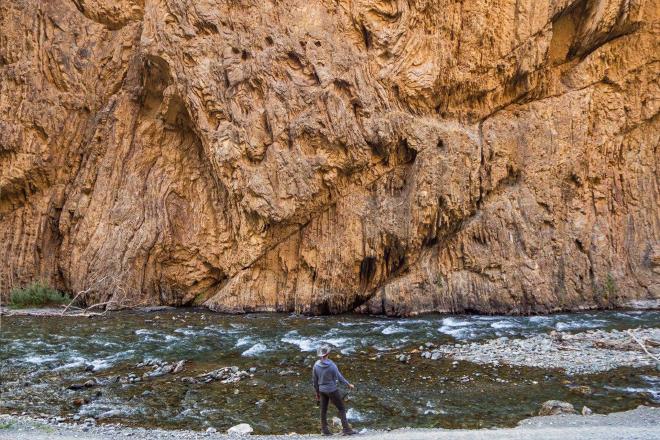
[[642, 423], [580, 353]]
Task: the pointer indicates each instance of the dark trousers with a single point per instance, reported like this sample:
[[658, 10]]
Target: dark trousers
[[337, 401]]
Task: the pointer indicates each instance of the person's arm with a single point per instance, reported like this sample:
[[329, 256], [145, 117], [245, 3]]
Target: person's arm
[[315, 381], [341, 378]]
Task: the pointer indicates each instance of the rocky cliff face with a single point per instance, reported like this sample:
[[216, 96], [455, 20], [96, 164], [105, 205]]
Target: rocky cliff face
[[326, 156]]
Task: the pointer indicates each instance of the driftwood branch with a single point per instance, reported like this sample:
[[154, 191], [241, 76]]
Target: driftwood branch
[[83, 292], [641, 344]]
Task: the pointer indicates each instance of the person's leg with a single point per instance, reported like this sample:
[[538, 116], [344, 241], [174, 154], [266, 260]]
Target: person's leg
[[335, 398], [324, 413]]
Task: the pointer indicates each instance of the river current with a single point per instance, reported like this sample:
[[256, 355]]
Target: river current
[[43, 356]]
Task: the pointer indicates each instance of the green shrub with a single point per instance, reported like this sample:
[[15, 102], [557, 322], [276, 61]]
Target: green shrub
[[37, 294]]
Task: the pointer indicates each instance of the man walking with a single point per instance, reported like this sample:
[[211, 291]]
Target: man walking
[[326, 375]]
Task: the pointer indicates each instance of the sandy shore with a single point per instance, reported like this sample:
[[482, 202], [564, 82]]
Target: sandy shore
[[642, 423]]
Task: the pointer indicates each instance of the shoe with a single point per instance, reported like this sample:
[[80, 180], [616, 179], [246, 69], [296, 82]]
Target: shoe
[[349, 432]]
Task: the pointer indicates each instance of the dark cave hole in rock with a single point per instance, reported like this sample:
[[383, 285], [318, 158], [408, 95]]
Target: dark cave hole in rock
[[367, 270], [366, 36]]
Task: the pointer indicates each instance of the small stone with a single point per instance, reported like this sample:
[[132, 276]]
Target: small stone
[[586, 411], [253, 369], [211, 430]]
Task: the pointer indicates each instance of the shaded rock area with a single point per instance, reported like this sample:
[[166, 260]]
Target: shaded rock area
[[331, 156]]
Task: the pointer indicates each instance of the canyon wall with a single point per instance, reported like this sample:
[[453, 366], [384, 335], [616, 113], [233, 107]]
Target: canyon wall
[[326, 156]]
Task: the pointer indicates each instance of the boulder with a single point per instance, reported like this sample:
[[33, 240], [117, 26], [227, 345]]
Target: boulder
[[240, 429], [556, 407]]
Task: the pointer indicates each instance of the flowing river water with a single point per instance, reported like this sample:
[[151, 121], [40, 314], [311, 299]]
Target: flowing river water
[[42, 356]]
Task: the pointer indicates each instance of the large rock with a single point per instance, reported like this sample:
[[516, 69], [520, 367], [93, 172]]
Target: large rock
[[556, 407], [240, 429], [385, 157]]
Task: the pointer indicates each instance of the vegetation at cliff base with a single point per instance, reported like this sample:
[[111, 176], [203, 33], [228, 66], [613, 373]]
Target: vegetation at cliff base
[[37, 294]]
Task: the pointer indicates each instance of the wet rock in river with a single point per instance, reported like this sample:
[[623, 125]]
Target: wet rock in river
[[405, 358], [79, 386], [586, 411], [585, 390], [161, 368], [80, 402], [224, 375], [555, 407]]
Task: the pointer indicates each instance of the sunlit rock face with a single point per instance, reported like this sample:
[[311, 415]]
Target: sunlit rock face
[[327, 156]]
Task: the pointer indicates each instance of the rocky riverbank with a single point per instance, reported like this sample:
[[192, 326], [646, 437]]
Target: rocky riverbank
[[580, 353], [641, 424]]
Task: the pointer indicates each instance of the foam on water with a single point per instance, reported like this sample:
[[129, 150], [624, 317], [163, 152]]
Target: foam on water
[[455, 322], [311, 344], [187, 331], [653, 393], [456, 332], [540, 319], [457, 328], [39, 359], [503, 324], [393, 329], [255, 350], [579, 324], [245, 340], [354, 415]]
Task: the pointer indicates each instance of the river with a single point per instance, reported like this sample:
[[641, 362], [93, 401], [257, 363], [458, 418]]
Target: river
[[43, 356]]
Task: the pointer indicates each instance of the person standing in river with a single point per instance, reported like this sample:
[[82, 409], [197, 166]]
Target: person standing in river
[[326, 375]]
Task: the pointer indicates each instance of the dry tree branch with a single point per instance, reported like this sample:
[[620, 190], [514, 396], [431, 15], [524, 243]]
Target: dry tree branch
[[83, 292], [641, 344]]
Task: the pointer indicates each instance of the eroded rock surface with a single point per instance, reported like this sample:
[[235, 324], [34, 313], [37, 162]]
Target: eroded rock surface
[[381, 156]]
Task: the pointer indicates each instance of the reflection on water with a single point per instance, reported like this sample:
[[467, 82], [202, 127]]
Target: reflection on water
[[42, 356]]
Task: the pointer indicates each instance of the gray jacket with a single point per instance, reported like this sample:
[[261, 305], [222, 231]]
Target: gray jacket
[[325, 376]]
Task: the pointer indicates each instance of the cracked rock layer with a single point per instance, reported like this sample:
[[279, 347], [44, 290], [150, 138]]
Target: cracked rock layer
[[388, 157]]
